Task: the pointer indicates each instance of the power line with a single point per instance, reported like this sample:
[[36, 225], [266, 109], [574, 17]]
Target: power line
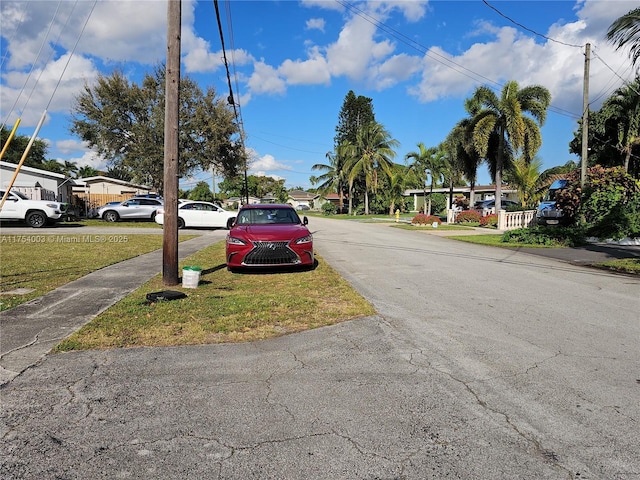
[[447, 62], [527, 28]]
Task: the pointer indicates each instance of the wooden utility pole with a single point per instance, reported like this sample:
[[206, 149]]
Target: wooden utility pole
[[171, 153], [585, 115]]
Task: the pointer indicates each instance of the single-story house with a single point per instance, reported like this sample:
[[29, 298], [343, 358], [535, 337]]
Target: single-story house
[[299, 198], [37, 184], [235, 202], [99, 190]]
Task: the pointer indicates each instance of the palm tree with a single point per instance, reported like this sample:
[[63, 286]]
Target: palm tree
[[525, 177], [69, 169], [87, 171], [463, 154], [501, 128], [626, 31], [427, 160], [334, 177], [621, 112], [372, 151], [397, 183]]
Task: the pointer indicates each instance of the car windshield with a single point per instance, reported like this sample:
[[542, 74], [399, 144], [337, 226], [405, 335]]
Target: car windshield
[[267, 216], [16, 193]]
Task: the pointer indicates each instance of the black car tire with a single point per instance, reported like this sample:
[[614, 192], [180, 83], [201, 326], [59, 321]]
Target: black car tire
[[230, 223], [36, 219], [180, 223], [110, 216]]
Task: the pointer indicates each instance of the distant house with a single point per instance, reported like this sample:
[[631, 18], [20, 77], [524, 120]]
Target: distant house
[[300, 198], [99, 190], [481, 192], [235, 202], [37, 184]]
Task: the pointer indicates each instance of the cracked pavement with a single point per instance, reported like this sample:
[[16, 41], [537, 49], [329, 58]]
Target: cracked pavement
[[480, 364]]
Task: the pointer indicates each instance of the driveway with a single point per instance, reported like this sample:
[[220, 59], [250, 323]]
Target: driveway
[[482, 363]]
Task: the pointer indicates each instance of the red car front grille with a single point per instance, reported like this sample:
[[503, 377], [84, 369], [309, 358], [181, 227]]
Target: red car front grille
[[271, 253]]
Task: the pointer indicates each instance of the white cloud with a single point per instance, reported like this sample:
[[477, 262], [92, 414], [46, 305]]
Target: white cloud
[[324, 4], [265, 79], [315, 24], [308, 72], [44, 89], [267, 163]]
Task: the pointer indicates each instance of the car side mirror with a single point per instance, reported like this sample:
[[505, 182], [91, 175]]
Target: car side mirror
[[305, 220]]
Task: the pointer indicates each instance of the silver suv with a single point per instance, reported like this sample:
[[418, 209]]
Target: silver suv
[[132, 209]]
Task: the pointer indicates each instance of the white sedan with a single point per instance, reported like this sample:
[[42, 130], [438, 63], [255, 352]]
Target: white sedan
[[200, 214]]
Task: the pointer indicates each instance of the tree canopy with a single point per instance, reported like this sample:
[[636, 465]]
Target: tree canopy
[[37, 155], [124, 122]]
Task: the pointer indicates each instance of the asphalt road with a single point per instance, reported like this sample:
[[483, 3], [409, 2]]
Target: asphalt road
[[482, 363]]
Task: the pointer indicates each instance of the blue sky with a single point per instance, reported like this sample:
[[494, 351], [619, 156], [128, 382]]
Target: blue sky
[[294, 62]]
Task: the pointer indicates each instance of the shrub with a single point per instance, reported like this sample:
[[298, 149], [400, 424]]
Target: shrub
[[609, 202], [489, 221], [468, 216], [328, 208], [543, 235], [422, 219]]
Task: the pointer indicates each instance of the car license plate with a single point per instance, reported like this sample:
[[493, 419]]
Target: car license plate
[[552, 222]]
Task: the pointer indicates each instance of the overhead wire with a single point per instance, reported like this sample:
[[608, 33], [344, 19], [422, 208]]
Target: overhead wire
[[447, 62], [33, 66], [523, 27]]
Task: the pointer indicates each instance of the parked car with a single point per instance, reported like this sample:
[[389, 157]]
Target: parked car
[[269, 236], [132, 209], [547, 213], [35, 213], [303, 207], [200, 214], [489, 204]]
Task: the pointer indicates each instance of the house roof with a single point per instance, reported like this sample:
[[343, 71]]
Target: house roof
[[36, 171], [302, 195], [103, 179]]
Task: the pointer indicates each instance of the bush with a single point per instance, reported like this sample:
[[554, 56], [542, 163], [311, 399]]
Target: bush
[[468, 216], [422, 219], [328, 208], [489, 221], [542, 235], [609, 202]]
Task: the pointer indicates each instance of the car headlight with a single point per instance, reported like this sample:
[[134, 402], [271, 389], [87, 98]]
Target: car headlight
[[235, 241], [307, 239], [53, 205]]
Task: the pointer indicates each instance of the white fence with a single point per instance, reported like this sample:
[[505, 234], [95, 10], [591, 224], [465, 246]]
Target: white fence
[[506, 220]]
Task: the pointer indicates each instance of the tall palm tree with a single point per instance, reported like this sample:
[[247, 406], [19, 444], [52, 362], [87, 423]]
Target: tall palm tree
[[626, 31], [501, 128], [334, 177], [621, 111], [427, 161], [371, 152], [463, 153], [397, 183]]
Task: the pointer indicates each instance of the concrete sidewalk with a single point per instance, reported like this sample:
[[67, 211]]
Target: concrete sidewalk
[[30, 330]]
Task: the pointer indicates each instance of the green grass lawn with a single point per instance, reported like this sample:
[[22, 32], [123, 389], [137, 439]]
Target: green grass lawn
[[225, 307], [43, 262]]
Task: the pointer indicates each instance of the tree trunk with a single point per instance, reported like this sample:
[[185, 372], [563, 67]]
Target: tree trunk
[[626, 160], [350, 199], [366, 202]]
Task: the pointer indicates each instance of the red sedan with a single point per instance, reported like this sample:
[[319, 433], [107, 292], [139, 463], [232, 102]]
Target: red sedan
[[269, 236]]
